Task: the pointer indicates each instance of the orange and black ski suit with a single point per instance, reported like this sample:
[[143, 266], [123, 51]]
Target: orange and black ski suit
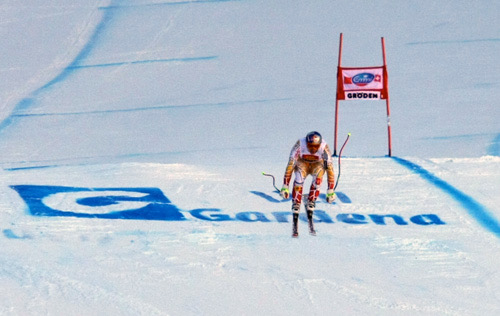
[[303, 163]]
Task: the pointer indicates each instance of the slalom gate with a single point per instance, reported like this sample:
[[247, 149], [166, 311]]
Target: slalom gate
[[362, 83]]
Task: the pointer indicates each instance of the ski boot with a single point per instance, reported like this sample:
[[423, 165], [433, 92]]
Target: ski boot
[[310, 206]]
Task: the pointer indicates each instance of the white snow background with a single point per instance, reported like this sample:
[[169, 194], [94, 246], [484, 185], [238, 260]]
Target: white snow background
[[134, 135]]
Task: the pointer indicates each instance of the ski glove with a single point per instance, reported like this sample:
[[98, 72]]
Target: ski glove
[[285, 193], [330, 196]]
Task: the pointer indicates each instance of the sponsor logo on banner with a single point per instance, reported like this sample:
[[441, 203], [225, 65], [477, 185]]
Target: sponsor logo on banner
[[365, 79]]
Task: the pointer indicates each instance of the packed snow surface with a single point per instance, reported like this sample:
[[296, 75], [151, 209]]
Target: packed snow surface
[[134, 135]]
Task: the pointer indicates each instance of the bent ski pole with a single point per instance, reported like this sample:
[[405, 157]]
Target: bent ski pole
[[340, 155], [274, 180]]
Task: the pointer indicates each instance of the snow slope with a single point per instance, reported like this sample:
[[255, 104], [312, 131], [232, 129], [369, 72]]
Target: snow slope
[[134, 134]]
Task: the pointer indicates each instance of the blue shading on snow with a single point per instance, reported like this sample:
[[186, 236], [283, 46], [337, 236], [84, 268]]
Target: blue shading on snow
[[8, 233], [494, 148], [482, 215]]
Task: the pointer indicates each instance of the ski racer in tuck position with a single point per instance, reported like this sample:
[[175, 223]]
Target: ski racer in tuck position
[[309, 156]]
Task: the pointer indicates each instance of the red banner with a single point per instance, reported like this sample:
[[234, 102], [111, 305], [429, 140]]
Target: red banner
[[369, 83]]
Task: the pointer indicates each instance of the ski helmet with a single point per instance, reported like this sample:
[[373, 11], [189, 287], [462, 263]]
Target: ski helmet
[[314, 138]]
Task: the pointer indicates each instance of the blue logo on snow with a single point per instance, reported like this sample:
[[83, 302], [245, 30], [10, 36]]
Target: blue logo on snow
[[363, 79], [113, 203], [152, 204]]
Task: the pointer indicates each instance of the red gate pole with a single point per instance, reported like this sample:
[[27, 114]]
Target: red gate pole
[[337, 97], [386, 84]]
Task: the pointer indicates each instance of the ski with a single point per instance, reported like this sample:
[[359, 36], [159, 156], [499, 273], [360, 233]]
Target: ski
[[312, 232], [295, 229]]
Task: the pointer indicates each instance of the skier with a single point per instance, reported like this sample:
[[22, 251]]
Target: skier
[[309, 156]]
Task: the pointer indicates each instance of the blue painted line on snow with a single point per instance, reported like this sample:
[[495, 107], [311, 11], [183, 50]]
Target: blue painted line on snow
[[76, 65], [29, 168], [158, 4], [465, 136], [479, 40], [151, 108], [89, 46], [473, 207], [494, 148], [116, 64]]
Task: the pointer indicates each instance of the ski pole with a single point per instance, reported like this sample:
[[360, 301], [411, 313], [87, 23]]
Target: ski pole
[[274, 180], [340, 155]]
